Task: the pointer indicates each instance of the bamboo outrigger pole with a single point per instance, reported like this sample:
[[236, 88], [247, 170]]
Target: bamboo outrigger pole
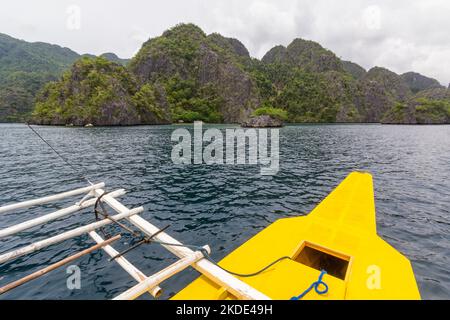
[[238, 288], [53, 216], [56, 265], [137, 274], [157, 278], [59, 196], [66, 235], [188, 257]]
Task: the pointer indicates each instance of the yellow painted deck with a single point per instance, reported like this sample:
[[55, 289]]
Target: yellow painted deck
[[339, 235]]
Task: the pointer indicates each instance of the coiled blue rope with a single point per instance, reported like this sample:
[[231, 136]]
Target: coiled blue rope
[[316, 286]]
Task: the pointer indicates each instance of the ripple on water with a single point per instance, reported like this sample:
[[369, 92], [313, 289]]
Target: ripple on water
[[223, 206]]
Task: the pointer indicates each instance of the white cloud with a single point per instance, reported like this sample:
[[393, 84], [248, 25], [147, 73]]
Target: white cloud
[[372, 17], [401, 35]]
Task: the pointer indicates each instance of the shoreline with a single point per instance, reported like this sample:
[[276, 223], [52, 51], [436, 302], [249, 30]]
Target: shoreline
[[235, 124]]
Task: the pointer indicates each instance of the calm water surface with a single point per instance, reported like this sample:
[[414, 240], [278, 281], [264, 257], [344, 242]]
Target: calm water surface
[[223, 206]]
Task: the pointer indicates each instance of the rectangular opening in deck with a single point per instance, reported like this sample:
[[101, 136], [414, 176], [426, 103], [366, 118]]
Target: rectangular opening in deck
[[319, 258]]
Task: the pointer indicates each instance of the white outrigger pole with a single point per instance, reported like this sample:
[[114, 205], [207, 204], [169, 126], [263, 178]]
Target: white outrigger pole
[[94, 194]]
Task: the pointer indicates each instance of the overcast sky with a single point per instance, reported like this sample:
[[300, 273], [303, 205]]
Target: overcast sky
[[402, 35]]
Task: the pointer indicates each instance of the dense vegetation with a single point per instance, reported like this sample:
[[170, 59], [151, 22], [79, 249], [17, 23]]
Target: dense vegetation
[[275, 113], [97, 91], [24, 69], [427, 107], [186, 75], [189, 102], [432, 111], [308, 82]]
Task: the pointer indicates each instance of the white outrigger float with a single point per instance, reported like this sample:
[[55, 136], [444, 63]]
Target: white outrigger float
[[96, 195]]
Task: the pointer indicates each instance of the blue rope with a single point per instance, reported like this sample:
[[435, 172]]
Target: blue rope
[[315, 286]]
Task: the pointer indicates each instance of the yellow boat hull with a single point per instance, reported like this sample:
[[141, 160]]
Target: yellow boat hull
[[338, 236]]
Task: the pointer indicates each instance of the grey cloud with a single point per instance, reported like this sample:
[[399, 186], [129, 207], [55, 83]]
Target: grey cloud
[[400, 35]]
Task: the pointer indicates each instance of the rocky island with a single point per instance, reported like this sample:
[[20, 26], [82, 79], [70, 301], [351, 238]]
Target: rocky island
[[264, 121], [186, 75]]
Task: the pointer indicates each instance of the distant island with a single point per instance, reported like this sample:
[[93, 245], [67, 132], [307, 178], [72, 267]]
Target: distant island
[[185, 75]]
